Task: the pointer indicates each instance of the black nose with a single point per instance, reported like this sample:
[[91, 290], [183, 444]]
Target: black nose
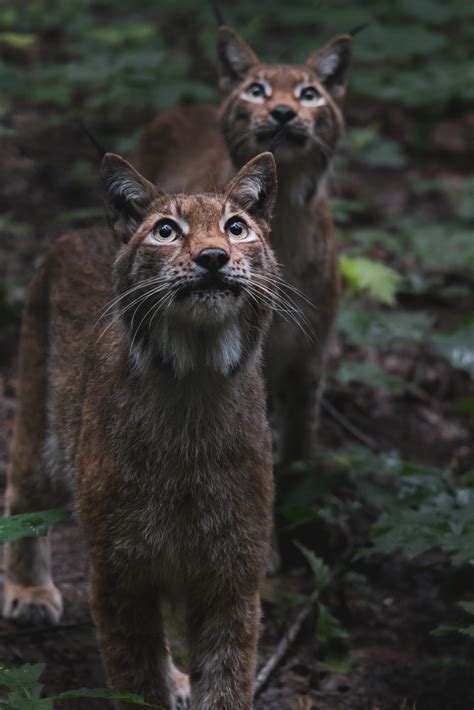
[[283, 113], [212, 258]]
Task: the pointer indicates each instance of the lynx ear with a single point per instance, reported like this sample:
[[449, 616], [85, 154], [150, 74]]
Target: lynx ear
[[331, 64], [235, 58], [126, 194], [254, 187]]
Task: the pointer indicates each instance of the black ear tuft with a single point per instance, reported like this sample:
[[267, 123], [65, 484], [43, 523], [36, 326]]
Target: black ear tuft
[[98, 145], [235, 58], [218, 16], [331, 64], [127, 195], [355, 31], [254, 187]]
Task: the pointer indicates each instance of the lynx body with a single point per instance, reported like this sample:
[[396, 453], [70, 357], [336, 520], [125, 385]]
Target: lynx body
[[198, 148], [155, 414]]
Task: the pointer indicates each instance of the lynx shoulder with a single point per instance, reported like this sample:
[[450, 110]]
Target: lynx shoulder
[[141, 381]]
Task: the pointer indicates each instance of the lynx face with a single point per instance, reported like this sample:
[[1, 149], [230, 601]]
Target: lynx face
[[194, 275], [262, 98]]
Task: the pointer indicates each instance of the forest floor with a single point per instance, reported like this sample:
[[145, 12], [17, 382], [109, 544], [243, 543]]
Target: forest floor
[[395, 662]]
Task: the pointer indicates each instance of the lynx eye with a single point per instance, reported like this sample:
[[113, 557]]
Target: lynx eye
[[256, 93], [238, 231], [165, 231], [310, 96]]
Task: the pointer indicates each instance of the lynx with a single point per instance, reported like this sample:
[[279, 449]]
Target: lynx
[[155, 414], [198, 148]]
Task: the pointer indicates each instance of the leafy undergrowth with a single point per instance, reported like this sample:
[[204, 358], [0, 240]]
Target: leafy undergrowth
[[25, 689], [400, 378]]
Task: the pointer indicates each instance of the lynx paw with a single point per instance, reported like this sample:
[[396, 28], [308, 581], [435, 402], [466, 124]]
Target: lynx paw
[[32, 605], [181, 699]]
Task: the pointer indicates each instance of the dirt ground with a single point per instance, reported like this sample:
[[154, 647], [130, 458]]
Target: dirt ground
[[396, 663]]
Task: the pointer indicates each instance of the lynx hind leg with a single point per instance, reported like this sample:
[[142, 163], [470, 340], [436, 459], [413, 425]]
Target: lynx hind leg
[[30, 595]]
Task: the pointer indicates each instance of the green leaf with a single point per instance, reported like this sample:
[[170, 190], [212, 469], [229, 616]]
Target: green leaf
[[369, 374], [465, 406], [292, 599], [458, 346], [321, 572], [343, 209], [467, 606], [362, 274], [465, 200], [17, 40], [29, 524], [368, 146], [376, 329], [328, 627], [22, 681], [444, 246], [444, 629], [336, 663], [412, 531], [298, 514]]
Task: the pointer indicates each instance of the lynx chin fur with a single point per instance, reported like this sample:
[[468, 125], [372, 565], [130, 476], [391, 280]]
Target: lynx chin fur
[[141, 381], [198, 148]]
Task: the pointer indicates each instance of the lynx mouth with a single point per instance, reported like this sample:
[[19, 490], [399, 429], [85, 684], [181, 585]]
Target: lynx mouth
[[291, 134], [209, 285]]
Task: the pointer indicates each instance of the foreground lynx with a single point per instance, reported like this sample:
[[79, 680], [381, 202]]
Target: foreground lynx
[[197, 148], [158, 413]]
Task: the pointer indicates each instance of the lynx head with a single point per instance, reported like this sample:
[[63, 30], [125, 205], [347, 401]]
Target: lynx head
[[259, 99], [194, 274]]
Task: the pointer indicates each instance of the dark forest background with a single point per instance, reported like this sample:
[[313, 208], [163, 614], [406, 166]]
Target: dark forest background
[[384, 524]]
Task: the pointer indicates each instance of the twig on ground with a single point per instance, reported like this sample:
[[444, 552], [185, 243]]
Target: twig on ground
[[348, 426], [281, 650]]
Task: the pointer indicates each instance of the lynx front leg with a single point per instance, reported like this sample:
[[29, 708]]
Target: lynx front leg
[[132, 639], [223, 651]]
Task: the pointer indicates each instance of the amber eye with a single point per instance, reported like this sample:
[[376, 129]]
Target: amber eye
[[237, 229], [256, 90], [166, 231], [309, 93]]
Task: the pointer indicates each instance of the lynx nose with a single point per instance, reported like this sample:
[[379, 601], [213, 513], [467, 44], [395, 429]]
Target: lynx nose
[[282, 113], [212, 258]]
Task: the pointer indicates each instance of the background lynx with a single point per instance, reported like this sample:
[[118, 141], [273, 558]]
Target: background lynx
[[197, 148]]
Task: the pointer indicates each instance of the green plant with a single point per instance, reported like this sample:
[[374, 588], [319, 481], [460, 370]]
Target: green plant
[[428, 508], [362, 274], [15, 527], [23, 684], [369, 374], [332, 638], [458, 346], [369, 328]]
